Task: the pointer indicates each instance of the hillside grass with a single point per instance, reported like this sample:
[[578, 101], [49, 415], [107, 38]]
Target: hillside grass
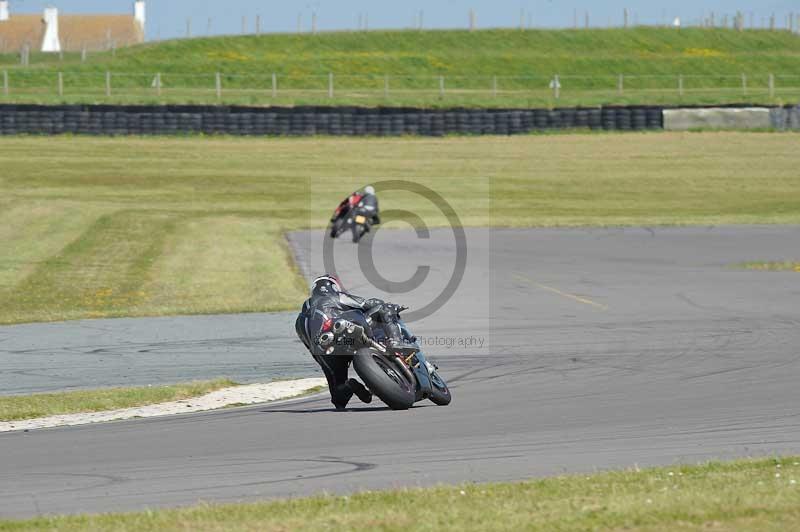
[[588, 62], [740, 495], [20, 407], [108, 227]]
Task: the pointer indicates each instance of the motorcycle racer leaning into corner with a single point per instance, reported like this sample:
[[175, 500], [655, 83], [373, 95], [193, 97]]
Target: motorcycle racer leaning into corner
[[329, 302], [362, 202]]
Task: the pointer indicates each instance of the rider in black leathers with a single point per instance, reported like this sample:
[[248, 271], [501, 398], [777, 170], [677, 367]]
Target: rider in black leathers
[[329, 302]]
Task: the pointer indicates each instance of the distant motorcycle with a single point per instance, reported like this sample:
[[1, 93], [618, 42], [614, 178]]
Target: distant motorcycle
[[398, 379], [348, 216]]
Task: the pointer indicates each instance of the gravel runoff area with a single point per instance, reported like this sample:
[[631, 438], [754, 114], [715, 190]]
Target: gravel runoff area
[[233, 396]]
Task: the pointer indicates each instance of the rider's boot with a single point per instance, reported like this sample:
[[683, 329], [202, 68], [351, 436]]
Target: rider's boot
[[396, 341], [360, 390]]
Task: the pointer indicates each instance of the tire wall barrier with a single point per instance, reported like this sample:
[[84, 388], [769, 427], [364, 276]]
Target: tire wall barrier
[[300, 121]]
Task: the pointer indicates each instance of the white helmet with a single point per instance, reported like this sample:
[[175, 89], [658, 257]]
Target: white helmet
[[370, 190], [325, 284]]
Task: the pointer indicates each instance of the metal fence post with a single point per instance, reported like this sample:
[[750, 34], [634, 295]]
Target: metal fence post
[[772, 85], [5, 82], [680, 85], [61, 84], [274, 85], [330, 84], [218, 83], [621, 84], [744, 84], [441, 86]]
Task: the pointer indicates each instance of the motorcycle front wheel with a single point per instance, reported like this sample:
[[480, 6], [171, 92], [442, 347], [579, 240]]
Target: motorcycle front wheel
[[384, 379], [440, 393]]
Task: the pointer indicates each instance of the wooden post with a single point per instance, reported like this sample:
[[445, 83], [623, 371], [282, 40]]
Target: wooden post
[[330, 84], [621, 84], [494, 86], [744, 84], [441, 86], [680, 85], [772, 85], [5, 82], [61, 84], [218, 83], [108, 84], [274, 85]]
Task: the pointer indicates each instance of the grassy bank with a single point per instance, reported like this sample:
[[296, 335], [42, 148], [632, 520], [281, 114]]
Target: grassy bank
[[16, 408], [588, 62], [103, 227], [741, 495]]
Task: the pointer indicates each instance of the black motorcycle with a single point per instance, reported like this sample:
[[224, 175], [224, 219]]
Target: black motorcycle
[[399, 379], [349, 217]]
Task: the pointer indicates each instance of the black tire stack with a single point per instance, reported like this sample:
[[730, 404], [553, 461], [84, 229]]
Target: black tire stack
[[305, 121]]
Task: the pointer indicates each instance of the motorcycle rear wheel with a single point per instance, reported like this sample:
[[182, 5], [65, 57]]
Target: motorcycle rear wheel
[[384, 379]]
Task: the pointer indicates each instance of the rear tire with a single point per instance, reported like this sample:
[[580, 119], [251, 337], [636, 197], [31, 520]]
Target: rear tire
[[384, 380]]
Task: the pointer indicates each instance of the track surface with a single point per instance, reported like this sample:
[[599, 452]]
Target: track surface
[[137, 352], [602, 349]]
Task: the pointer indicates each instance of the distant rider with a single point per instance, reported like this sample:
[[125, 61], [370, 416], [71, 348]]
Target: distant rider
[[364, 203], [329, 302]]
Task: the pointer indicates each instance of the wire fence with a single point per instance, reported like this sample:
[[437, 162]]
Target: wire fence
[[261, 88]]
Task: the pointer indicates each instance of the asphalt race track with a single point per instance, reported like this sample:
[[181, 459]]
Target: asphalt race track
[[602, 348]]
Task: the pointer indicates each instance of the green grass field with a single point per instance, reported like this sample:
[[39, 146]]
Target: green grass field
[[105, 227], [759, 495], [587, 61], [19, 407]]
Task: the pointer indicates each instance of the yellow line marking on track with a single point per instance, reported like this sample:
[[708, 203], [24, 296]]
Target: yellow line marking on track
[[560, 293]]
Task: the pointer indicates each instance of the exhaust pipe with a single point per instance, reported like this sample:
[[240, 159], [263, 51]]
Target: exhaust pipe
[[326, 339]]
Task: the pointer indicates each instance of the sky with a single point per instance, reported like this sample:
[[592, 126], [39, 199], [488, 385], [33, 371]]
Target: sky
[[168, 18]]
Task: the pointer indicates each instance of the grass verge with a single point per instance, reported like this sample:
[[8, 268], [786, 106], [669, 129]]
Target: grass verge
[[496, 67], [107, 227], [739, 495], [774, 266], [17, 408]]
